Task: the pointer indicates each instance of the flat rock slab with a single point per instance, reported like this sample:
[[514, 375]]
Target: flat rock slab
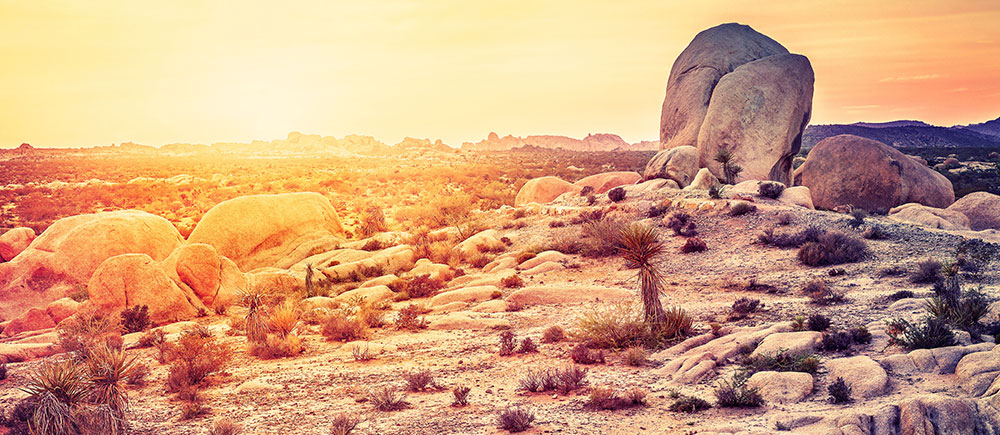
[[782, 387], [792, 343], [465, 321], [865, 376], [547, 295], [468, 294]]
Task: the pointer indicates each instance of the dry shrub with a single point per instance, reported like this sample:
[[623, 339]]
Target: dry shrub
[[564, 380], [603, 238], [681, 224], [417, 287], [741, 208], [192, 359], [583, 355], [513, 281], [607, 398], [833, 247], [508, 343], [344, 424], [152, 338], [419, 380], [277, 346], [255, 322], [634, 357], [339, 327], [553, 334], [410, 318], [372, 222], [516, 419], [135, 319], [527, 346], [461, 394], [928, 271], [225, 426], [821, 294], [693, 244], [283, 319], [387, 399], [89, 329]]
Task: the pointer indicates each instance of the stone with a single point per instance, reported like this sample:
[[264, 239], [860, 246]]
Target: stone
[[548, 295], [936, 414], [371, 295], [679, 164], [850, 170], [976, 371], [17, 352], [712, 54], [782, 387], [382, 280], [606, 181], [32, 320], [199, 269], [260, 230], [703, 180], [797, 195], [758, 112], [125, 281], [543, 190], [543, 257], [919, 214], [424, 266], [60, 309], [865, 376], [493, 306], [318, 302], [488, 240], [791, 343], [465, 322], [14, 241], [468, 294], [548, 266], [66, 254], [981, 208]]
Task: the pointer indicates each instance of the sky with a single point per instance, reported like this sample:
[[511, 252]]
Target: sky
[[99, 72]]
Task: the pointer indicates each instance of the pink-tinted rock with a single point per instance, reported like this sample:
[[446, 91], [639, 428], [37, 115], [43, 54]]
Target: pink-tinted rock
[[32, 320], [609, 180], [14, 241]]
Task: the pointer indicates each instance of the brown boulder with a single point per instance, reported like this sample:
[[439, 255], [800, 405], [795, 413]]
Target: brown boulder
[[67, 253], [679, 164], [543, 190], [14, 241], [982, 209], [260, 230], [32, 320], [758, 112], [609, 180], [128, 280], [712, 54], [850, 170]]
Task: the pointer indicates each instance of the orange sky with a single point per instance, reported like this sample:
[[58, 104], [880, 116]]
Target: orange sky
[[101, 72]]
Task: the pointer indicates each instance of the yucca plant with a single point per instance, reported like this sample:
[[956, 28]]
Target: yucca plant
[[254, 300], [59, 387], [52, 416], [108, 370], [730, 170], [641, 248]]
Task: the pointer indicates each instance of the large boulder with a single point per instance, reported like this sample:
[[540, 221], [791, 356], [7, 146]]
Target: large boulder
[[938, 414], [919, 214], [14, 241], [789, 343], [261, 230], [215, 279], [128, 280], [608, 180], [782, 387], [982, 209], [865, 376], [66, 254], [703, 180], [32, 320], [850, 170], [543, 190], [679, 164], [712, 54], [758, 112]]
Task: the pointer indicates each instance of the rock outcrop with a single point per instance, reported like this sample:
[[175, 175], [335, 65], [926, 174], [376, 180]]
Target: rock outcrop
[[679, 164], [128, 280], [919, 214], [543, 190], [982, 209], [608, 180], [14, 241], [261, 230], [850, 170]]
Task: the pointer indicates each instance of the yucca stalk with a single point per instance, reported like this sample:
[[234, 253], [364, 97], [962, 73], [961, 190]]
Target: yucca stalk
[[641, 248], [256, 321]]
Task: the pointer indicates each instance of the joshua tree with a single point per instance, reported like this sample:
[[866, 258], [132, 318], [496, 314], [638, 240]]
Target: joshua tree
[[730, 170], [641, 247]]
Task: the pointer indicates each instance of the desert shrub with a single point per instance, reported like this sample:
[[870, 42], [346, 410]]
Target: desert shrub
[[931, 334], [784, 219], [833, 247], [928, 271], [744, 306], [527, 346], [418, 286], [741, 208], [902, 294], [974, 255], [278, 346], [950, 287], [681, 224], [566, 241], [689, 404], [344, 423], [821, 294], [192, 359], [138, 376], [372, 222], [586, 190], [857, 217], [780, 361], [861, 335], [283, 319], [152, 338], [581, 354], [461, 394], [387, 399], [513, 281], [3, 371], [409, 317], [255, 325], [818, 322], [892, 271], [736, 394], [557, 223], [373, 245], [525, 256], [607, 398], [338, 327], [693, 244], [107, 370], [591, 199], [799, 323], [617, 326], [602, 237], [135, 319], [362, 353], [617, 194], [508, 343], [225, 426], [57, 388], [837, 340], [563, 380], [553, 334], [634, 357], [87, 330], [516, 419], [419, 380], [657, 210], [875, 232], [715, 191], [963, 312], [770, 189], [839, 391]]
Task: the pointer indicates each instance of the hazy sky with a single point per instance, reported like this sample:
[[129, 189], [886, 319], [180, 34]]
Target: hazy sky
[[83, 73]]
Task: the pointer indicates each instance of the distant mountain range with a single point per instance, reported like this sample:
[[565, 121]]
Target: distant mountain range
[[911, 134], [593, 142]]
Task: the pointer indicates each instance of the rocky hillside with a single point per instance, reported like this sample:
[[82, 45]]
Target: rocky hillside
[[593, 142], [911, 134]]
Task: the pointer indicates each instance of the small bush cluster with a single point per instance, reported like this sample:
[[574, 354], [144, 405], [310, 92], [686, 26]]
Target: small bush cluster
[[135, 319], [831, 248], [603, 238], [340, 327], [901, 294], [553, 334], [420, 286], [516, 419], [88, 330], [513, 281], [843, 340], [928, 271], [635, 357], [564, 379], [461, 394], [617, 194], [963, 312], [770, 189], [689, 404], [818, 322], [387, 399], [419, 380], [192, 360], [606, 398], [931, 334], [410, 318], [737, 394], [821, 294], [344, 423], [622, 325], [225, 426], [745, 306], [681, 224], [581, 354], [780, 361], [693, 244], [839, 391]]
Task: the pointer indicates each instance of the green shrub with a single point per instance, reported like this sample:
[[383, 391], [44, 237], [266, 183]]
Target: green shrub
[[617, 194], [736, 394], [689, 404], [135, 319], [839, 391], [780, 361], [770, 189], [818, 323], [931, 334]]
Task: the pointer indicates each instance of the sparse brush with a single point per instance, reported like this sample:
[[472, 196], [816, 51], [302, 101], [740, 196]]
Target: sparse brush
[[225, 426], [736, 394], [875, 232], [372, 222], [740, 208], [564, 380], [837, 341], [861, 335], [839, 391], [582, 355], [362, 353], [716, 191], [615, 326], [799, 323], [634, 357], [780, 361], [513, 281], [975, 255], [420, 286], [770, 189], [283, 319], [931, 334], [276, 346], [516, 419], [689, 404], [617, 194], [138, 376], [152, 338], [89, 329], [553, 334], [602, 237], [818, 322], [461, 394], [341, 328], [3, 371], [419, 380], [744, 306], [527, 346], [193, 358], [928, 271], [833, 247], [784, 219], [681, 224], [693, 244], [657, 211], [135, 319], [857, 217], [949, 288], [387, 399], [821, 294], [508, 343]]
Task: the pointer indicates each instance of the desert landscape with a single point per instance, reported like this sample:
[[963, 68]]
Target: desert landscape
[[744, 273]]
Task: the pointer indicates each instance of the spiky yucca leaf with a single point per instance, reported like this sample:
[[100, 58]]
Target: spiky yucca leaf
[[641, 247], [52, 416], [284, 319], [108, 369], [62, 379], [255, 300]]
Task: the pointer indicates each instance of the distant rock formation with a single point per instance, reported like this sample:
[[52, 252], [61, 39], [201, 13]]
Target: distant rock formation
[[737, 89], [593, 142]]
